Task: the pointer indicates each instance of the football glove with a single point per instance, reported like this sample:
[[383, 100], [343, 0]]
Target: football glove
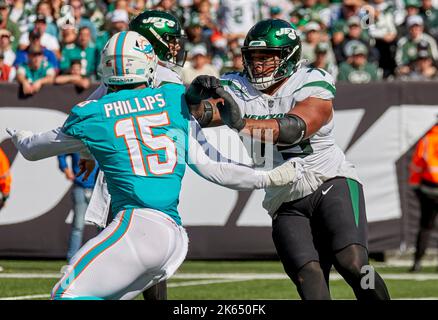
[[285, 174], [230, 111], [202, 88]]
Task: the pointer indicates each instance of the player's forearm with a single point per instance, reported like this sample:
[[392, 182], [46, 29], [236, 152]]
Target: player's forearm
[[262, 130], [233, 175], [43, 145]]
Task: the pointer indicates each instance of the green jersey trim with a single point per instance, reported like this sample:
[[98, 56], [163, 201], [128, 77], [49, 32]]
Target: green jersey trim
[[321, 84], [354, 196], [232, 85]]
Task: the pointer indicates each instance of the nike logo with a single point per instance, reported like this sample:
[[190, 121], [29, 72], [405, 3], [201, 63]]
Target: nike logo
[[324, 192]]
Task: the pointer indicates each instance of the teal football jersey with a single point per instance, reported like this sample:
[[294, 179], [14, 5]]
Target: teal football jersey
[[139, 138]]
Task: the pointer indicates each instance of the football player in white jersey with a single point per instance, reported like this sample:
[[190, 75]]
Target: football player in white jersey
[[320, 221]]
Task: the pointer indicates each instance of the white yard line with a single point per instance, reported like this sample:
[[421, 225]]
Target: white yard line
[[30, 297], [170, 285], [235, 276], [202, 282], [195, 283], [29, 275]]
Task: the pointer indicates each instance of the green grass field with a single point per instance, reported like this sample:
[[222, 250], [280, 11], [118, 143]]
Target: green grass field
[[25, 279]]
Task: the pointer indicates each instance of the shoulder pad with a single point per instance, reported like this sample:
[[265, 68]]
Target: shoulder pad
[[236, 82], [316, 79]]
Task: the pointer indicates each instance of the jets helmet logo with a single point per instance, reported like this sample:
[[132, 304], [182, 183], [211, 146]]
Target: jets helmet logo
[[290, 32], [159, 22]]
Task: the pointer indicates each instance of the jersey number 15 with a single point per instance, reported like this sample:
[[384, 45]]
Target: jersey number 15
[[125, 128]]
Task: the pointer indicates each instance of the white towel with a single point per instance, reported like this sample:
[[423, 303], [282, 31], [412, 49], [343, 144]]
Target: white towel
[[100, 203]]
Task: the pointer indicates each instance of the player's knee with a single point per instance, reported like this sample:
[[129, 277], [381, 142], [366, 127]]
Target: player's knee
[[310, 271], [351, 260]]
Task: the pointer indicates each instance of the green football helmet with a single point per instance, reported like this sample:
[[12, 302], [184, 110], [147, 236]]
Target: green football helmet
[[276, 37], [163, 31]]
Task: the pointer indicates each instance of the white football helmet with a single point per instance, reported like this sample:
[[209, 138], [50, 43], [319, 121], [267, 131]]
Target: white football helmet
[[128, 58]]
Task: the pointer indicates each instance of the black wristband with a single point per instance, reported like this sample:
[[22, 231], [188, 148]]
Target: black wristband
[[292, 129], [207, 115]]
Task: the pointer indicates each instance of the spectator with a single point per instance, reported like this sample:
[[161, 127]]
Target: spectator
[[275, 12], [36, 73], [6, 23], [81, 195], [384, 32], [47, 40], [5, 179], [310, 10], [235, 65], [357, 33], [69, 35], [423, 68], [340, 14], [74, 76], [80, 20], [196, 37], [313, 38], [424, 180], [85, 51], [237, 17], [6, 47], [206, 20], [357, 69], [119, 21], [95, 14], [35, 39], [45, 8], [7, 73], [199, 65], [407, 46], [412, 8], [171, 7], [321, 60], [430, 17]]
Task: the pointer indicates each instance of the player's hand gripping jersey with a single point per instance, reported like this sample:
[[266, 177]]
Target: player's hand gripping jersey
[[319, 155]]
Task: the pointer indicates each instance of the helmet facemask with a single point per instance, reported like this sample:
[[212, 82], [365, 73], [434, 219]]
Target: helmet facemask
[[169, 48], [280, 65], [175, 55]]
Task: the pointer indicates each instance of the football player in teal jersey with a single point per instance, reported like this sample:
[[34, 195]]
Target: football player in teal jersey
[[142, 137]]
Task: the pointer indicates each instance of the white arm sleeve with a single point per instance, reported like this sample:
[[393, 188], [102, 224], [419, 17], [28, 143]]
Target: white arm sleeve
[[37, 146], [227, 174]]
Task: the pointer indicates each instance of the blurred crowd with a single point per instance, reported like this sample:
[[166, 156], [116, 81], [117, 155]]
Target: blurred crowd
[[59, 41]]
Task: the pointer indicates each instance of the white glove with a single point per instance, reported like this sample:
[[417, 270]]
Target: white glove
[[16, 136], [287, 173]]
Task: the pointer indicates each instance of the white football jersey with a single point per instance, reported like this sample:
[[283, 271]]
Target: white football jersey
[[318, 157], [238, 16], [163, 75]]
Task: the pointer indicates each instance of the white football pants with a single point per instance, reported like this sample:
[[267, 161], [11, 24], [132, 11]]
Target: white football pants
[[138, 249]]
